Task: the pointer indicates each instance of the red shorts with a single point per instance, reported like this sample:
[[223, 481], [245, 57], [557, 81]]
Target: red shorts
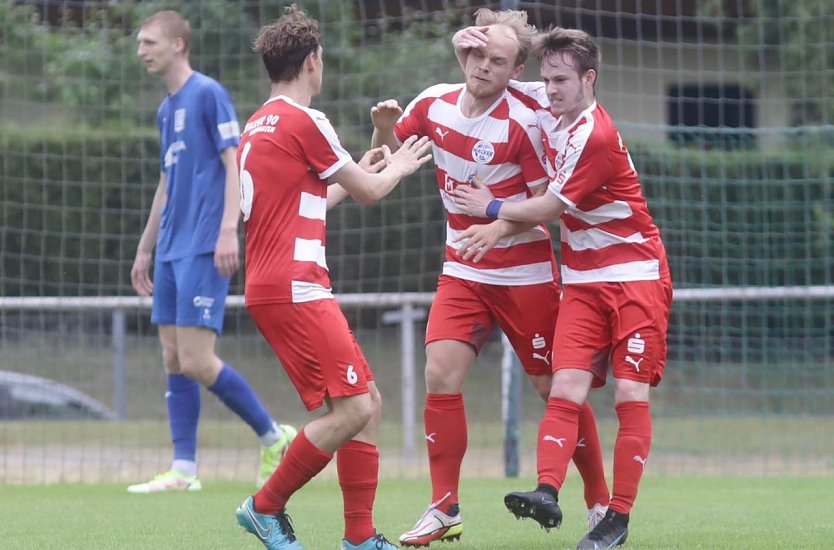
[[467, 311], [621, 324], [316, 347]]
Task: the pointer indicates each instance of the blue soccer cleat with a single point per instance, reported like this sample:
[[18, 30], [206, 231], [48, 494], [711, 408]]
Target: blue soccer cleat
[[376, 542], [275, 532]]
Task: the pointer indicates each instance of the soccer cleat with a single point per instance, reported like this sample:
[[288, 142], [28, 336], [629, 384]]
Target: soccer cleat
[[275, 532], [610, 532], [272, 456], [435, 525], [539, 505], [595, 515], [376, 542], [171, 480]]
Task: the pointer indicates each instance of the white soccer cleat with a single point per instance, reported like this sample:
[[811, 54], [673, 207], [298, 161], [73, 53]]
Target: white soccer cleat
[[595, 515], [435, 525], [171, 480]]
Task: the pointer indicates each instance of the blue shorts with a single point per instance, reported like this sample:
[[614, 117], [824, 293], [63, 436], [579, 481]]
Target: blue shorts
[[189, 292]]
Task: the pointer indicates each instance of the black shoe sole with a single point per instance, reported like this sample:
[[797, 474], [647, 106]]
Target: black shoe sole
[[522, 507]]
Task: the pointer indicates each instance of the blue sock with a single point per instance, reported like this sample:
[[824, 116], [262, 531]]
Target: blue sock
[[236, 393], [183, 398]]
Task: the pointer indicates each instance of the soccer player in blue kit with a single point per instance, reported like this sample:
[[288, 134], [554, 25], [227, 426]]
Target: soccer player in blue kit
[[193, 224]]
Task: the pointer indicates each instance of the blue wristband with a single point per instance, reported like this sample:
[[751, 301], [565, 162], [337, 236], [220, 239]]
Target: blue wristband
[[493, 207]]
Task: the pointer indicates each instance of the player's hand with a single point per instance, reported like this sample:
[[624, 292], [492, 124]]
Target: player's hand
[[477, 240], [470, 37], [385, 114], [372, 161], [413, 154], [472, 199], [226, 253], [140, 274]]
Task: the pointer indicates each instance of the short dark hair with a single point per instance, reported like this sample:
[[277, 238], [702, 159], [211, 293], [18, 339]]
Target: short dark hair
[[285, 43], [172, 24], [579, 44]]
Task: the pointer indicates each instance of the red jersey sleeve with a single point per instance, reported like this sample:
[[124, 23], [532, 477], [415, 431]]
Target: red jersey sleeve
[[414, 118], [321, 146], [584, 165]]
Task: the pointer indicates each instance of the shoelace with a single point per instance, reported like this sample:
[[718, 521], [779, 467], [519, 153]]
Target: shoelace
[[380, 541], [285, 523]]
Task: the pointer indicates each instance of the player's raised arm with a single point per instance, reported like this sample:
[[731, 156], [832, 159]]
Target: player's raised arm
[[368, 188], [372, 162], [384, 116], [466, 39]]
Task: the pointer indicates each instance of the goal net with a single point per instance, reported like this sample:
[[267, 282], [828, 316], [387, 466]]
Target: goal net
[[726, 109]]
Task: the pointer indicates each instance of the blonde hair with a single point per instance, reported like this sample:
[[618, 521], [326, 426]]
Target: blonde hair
[[172, 24], [513, 19]]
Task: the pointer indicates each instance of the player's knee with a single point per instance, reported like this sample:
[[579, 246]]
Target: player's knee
[[440, 378], [170, 361], [354, 413], [376, 400], [196, 364]]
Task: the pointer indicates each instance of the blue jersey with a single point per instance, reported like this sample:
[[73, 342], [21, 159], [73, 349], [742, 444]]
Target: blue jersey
[[195, 125]]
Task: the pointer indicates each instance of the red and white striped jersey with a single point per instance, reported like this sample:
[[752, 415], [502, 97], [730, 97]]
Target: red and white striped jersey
[[503, 147], [286, 153], [607, 232]]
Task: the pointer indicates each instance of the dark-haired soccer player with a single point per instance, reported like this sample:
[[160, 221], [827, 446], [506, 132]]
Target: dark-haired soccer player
[[617, 290], [288, 153]]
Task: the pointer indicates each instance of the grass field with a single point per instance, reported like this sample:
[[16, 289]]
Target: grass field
[[680, 512]]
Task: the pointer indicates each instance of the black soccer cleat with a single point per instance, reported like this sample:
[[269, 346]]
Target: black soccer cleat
[[610, 532], [541, 505]]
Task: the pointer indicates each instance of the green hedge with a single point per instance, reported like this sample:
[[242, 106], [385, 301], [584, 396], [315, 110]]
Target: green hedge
[[74, 204]]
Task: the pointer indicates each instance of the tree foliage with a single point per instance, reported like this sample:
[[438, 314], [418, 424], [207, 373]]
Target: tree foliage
[[797, 36]]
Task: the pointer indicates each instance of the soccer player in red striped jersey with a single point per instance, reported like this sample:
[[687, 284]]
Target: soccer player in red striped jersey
[[480, 132], [617, 286], [288, 153]]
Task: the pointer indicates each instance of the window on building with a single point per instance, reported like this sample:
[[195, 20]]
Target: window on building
[[712, 115]]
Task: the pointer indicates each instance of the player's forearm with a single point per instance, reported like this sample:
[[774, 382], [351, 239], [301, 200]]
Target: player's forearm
[[231, 194], [335, 194], [510, 228], [532, 211], [385, 137], [231, 204], [148, 239]]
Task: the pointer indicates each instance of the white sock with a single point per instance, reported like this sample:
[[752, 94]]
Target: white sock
[[187, 467], [271, 437]]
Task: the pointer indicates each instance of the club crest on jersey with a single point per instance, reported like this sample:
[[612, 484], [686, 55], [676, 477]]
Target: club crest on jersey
[[179, 120], [483, 152]]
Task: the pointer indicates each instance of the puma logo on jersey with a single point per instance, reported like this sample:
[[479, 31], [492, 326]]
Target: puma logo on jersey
[[581, 442], [633, 362], [430, 437], [560, 441], [640, 459], [441, 133], [545, 357]]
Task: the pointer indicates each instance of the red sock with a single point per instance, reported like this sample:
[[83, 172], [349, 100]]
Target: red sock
[[301, 463], [446, 438], [630, 452], [358, 466], [588, 459], [557, 440]]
